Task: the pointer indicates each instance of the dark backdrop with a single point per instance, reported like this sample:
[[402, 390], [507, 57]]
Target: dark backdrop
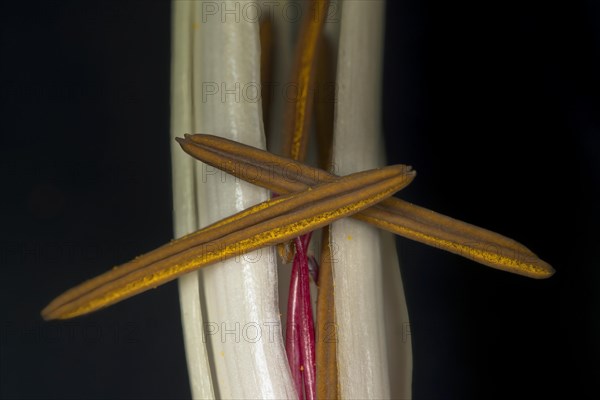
[[495, 104]]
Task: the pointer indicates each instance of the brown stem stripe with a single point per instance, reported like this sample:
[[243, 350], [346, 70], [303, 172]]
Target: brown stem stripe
[[327, 335], [324, 101], [268, 223], [266, 65], [283, 175]]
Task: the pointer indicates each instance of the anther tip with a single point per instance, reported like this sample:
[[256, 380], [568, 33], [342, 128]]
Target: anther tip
[[47, 314], [548, 272]]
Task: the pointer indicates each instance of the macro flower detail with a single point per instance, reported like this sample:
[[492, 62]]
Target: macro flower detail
[[220, 217]]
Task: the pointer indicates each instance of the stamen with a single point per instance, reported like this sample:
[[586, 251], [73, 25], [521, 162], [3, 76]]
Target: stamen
[[327, 382], [283, 175], [268, 223], [297, 116], [296, 128]]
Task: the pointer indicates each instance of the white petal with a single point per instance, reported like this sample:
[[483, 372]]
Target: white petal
[[242, 326], [184, 199], [365, 259]]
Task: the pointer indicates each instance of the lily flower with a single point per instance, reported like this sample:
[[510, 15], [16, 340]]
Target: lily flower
[[226, 226]]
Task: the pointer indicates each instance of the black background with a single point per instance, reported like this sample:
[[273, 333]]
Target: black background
[[494, 103]]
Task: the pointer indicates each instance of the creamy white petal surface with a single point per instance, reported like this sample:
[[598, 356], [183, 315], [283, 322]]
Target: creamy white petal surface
[[184, 198], [375, 357], [237, 298]]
